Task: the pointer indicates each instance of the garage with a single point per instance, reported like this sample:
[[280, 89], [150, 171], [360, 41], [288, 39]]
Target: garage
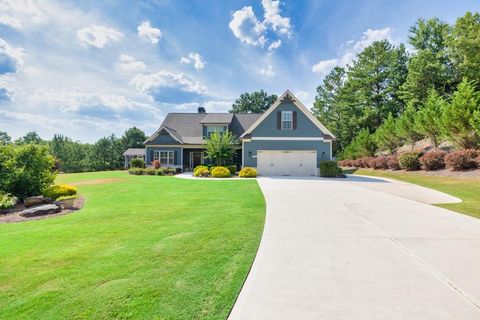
[[287, 162]]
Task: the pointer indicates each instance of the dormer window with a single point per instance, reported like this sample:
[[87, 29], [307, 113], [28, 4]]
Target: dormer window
[[219, 129], [287, 120]]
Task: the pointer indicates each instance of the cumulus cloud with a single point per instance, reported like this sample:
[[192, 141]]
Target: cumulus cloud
[[194, 58], [149, 33], [273, 18], [15, 13], [246, 27], [169, 87], [11, 59], [129, 63], [266, 72], [275, 45], [98, 36], [323, 67]]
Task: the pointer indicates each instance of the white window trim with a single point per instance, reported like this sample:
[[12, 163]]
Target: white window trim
[[224, 129], [156, 156], [282, 121]]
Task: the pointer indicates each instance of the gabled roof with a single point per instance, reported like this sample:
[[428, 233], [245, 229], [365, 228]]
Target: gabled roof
[[187, 128], [288, 95], [220, 118]]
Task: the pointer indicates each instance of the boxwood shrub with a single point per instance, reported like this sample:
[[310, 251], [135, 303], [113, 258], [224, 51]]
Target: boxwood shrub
[[247, 172], [220, 172], [409, 161], [137, 163], [201, 172], [150, 171], [59, 190], [7, 201], [137, 171], [232, 168], [329, 169]]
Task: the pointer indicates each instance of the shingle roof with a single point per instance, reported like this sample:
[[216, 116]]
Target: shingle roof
[[217, 118], [189, 126], [134, 152]]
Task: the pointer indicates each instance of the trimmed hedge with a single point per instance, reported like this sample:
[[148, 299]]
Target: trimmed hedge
[[202, 166], [329, 169], [201, 172], [433, 160], [220, 172], [232, 168], [59, 190], [136, 171], [137, 163], [247, 172], [409, 161], [151, 171], [462, 160], [392, 162], [380, 163]]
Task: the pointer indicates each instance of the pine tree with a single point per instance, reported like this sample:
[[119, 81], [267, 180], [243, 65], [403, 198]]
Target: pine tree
[[428, 118]]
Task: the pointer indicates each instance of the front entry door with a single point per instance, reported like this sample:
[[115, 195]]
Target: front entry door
[[196, 159]]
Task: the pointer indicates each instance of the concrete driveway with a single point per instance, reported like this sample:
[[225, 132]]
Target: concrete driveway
[[361, 248]]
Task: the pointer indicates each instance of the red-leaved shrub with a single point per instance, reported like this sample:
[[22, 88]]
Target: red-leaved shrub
[[369, 162], [392, 162], [380, 163], [156, 164], [433, 160], [461, 160]]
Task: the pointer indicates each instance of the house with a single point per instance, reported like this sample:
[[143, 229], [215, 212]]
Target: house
[[285, 140]]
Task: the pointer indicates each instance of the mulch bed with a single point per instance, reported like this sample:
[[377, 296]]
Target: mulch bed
[[475, 173], [13, 214]]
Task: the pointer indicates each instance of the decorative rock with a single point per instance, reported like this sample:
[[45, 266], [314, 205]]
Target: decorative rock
[[41, 210], [34, 201]]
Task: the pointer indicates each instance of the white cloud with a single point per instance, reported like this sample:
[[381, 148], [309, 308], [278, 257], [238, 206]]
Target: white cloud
[[129, 63], [98, 36], [15, 13], [274, 19], [11, 59], [267, 72], [11, 22], [147, 82], [149, 33], [246, 27], [194, 57], [275, 45], [302, 95], [323, 67]]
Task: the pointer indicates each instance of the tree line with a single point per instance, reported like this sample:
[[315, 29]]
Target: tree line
[[75, 156], [389, 96]]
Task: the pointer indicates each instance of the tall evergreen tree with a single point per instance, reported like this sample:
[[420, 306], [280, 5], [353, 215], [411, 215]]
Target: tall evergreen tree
[[386, 136], [428, 118], [255, 102]]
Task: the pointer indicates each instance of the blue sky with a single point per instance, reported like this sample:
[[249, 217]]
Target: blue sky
[[87, 69]]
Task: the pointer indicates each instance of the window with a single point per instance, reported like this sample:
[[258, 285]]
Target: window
[[166, 157], [212, 129], [287, 120]]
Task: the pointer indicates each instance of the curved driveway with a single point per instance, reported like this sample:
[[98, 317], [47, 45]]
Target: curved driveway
[[361, 248]]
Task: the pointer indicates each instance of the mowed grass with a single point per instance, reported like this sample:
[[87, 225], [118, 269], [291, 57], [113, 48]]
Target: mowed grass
[[143, 247], [467, 189]]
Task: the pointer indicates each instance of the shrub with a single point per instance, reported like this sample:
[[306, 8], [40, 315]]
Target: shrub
[[329, 169], [137, 163], [220, 172], [247, 172], [25, 170], [170, 171], [59, 190], [392, 162], [160, 172], [477, 160], [461, 160], [7, 201], [150, 171], [380, 163], [202, 166], [433, 160], [178, 170], [409, 161], [137, 171], [232, 168], [369, 162], [156, 164], [201, 172]]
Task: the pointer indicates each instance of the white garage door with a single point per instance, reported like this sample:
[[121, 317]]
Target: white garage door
[[287, 162]]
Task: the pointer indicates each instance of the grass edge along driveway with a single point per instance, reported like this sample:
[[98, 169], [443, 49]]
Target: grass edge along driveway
[[467, 189], [143, 247]]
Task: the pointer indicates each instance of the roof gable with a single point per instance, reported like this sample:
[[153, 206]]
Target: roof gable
[[288, 96]]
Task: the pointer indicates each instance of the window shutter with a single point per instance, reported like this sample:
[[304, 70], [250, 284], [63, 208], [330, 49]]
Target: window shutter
[[279, 120], [294, 118]]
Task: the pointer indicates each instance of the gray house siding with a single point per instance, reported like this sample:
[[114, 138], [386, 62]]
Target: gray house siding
[[250, 149], [163, 138], [305, 127], [177, 158]]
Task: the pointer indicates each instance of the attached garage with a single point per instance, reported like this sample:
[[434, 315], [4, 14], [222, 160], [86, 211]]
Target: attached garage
[[287, 162]]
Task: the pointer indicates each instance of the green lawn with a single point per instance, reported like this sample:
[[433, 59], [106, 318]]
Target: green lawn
[[143, 247], [467, 189]]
